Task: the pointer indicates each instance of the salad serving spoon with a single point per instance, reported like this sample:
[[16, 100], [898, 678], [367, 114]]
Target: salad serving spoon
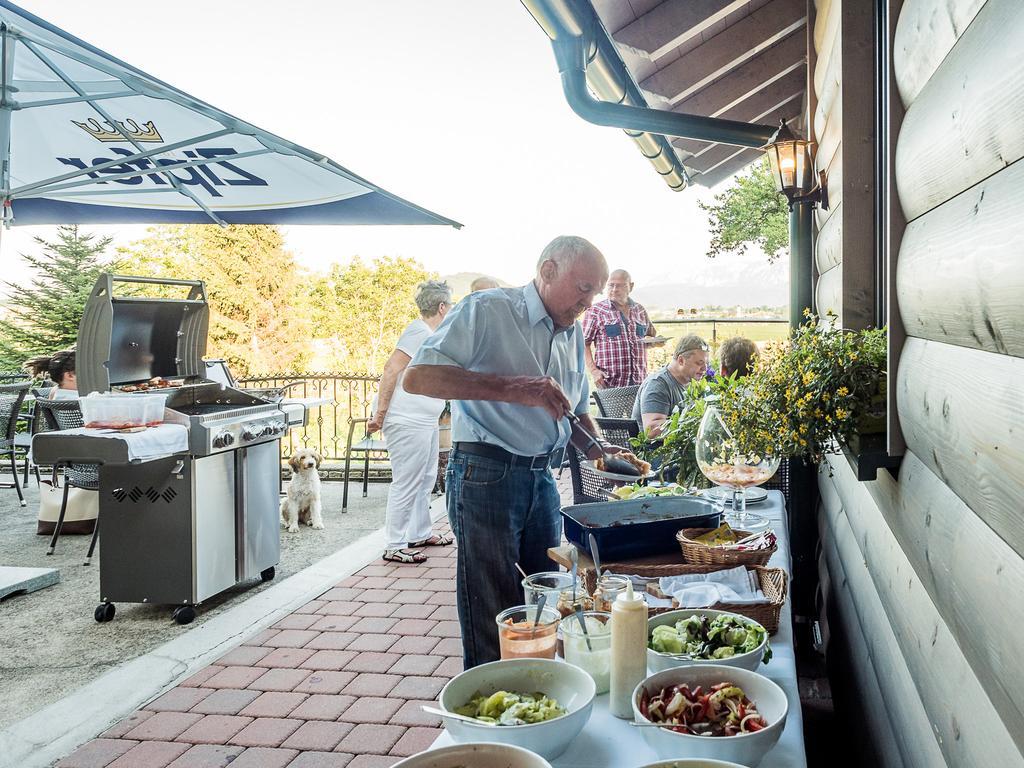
[[445, 713], [574, 558], [583, 625], [540, 607]]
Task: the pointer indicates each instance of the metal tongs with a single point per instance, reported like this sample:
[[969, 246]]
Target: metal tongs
[[583, 439]]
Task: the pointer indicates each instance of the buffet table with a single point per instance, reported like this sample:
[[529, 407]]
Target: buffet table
[[608, 742]]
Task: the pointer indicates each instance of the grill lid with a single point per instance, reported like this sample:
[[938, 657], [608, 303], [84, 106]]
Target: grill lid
[[143, 334]]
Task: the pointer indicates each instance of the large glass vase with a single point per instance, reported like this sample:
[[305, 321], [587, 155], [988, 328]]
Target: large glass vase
[[723, 461]]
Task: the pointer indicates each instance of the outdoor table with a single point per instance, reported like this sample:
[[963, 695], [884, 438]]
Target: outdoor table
[[608, 742]]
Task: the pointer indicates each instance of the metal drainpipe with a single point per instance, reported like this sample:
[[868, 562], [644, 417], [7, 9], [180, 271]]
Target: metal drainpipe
[[571, 56], [801, 262]]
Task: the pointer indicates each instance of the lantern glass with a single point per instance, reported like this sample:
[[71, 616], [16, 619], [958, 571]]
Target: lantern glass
[[791, 163]]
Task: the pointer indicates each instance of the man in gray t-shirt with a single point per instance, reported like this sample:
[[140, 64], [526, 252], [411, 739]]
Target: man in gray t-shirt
[[664, 389]]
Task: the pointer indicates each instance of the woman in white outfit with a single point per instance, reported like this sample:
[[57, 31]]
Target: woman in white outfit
[[410, 428]]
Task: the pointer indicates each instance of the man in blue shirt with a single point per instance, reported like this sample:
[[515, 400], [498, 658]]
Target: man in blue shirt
[[511, 360]]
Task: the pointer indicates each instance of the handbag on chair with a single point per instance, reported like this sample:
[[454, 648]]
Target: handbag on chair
[[80, 515]]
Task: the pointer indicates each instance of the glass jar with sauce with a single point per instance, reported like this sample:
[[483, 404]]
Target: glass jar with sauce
[[608, 588], [593, 657], [522, 636], [550, 583], [568, 601]]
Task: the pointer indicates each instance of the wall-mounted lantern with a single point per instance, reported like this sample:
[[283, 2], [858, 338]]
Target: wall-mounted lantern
[[793, 168]]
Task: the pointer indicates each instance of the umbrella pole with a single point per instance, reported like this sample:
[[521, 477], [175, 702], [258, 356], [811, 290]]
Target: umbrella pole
[[6, 108]]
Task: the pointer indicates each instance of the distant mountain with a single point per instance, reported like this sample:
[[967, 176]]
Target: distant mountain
[[461, 281], [718, 282]]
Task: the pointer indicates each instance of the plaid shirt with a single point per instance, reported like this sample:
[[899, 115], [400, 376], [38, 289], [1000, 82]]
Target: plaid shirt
[[616, 339]]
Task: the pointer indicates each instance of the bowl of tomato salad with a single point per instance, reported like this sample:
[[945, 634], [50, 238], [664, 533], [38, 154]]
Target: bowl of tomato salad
[[711, 711]]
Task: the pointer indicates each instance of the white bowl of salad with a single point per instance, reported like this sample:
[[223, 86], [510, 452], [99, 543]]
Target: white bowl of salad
[[686, 763], [705, 636], [475, 755], [538, 704], [712, 712]]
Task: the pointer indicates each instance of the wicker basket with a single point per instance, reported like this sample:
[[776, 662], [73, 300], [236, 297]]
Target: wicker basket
[[696, 553], [772, 581]]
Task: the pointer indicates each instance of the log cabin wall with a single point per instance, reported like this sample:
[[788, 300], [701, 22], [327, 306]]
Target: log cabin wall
[[923, 575]]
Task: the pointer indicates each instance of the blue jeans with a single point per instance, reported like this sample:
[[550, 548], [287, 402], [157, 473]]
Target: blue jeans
[[500, 515]]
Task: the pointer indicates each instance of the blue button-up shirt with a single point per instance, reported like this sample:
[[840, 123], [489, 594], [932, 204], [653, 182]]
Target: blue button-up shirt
[[508, 332]]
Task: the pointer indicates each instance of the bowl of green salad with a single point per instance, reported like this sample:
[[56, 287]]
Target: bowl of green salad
[[538, 704], [694, 636]]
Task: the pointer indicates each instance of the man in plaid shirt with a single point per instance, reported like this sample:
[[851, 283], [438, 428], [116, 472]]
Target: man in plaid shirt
[[612, 332]]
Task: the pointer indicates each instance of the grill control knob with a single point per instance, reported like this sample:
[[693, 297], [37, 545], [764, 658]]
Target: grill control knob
[[223, 440], [251, 432]]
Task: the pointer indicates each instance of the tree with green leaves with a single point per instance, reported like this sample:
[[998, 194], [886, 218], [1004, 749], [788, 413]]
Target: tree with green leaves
[[362, 309], [750, 212], [256, 291], [42, 317]]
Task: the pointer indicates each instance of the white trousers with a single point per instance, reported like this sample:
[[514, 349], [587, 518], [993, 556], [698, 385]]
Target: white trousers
[[413, 454]]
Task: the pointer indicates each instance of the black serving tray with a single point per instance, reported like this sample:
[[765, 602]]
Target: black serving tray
[[637, 527]]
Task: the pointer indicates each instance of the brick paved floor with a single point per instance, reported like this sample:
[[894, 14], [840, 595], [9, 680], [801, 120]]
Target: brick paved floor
[[337, 683]]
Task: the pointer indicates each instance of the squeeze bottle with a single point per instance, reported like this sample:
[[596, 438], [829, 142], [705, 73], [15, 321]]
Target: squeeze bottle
[[629, 650]]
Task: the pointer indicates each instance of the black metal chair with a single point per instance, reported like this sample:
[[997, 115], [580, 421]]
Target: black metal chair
[[12, 396], [587, 485], [36, 424], [67, 414], [616, 402], [364, 447], [618, 431]]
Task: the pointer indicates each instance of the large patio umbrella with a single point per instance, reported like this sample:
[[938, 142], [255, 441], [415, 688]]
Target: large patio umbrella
[[86, 138]]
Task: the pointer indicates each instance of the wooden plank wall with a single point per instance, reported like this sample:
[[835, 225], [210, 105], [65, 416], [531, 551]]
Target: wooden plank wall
[[930, 566], [843, 127]]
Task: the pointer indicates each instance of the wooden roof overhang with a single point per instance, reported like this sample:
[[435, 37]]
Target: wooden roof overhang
[[742, 61]]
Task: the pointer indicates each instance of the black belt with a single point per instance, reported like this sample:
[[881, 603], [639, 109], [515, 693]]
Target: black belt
[[489, 451]]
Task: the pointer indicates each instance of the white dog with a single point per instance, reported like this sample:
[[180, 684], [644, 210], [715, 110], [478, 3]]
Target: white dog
[[302, 505]]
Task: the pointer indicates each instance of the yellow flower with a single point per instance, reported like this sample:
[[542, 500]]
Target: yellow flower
[[842, 391], [841, 413]]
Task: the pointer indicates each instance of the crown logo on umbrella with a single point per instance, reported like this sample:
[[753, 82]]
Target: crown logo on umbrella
[[121, 131]]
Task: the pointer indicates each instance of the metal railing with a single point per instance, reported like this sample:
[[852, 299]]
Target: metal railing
[[350, 394], [755, 328]]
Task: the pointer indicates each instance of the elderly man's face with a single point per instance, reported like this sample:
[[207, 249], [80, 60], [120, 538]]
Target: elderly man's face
[[567, 291], [619, 287], [693, 364]]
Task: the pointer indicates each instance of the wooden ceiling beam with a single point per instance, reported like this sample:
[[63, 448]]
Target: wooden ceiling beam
[[672, 22], [743, 82], [754, 109], [727, 50], [725, 170], [709, 160]]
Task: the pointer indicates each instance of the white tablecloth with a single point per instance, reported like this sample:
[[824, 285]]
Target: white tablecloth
[[150, 443], [608, 742]]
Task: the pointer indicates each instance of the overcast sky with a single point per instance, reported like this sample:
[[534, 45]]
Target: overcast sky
[[453, 104]]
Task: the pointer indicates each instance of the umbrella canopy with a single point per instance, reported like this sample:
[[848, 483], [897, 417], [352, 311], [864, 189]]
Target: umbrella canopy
[[86, 138]]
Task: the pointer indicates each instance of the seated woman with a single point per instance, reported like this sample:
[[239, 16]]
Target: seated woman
[[60, 368], [737, 356]]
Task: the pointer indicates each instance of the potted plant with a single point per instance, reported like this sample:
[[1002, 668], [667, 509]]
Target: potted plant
[[806, 396]]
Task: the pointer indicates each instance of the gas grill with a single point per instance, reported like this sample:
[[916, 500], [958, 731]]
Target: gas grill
[[177, 529]]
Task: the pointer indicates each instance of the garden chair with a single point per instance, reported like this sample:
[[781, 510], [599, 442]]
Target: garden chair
[[36, 424], [364, 448], [587, 486], [11, 398], [616, 402], [67, 414]]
